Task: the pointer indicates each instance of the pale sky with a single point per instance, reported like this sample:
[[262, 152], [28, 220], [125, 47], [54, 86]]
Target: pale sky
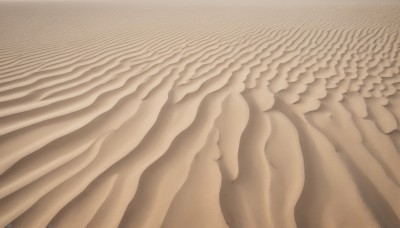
[[217, 2]]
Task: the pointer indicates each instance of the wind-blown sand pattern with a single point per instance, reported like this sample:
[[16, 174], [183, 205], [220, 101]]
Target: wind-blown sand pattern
[[116, 116]]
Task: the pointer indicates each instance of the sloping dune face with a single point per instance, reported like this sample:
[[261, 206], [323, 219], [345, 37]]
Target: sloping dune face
[[117, 116]]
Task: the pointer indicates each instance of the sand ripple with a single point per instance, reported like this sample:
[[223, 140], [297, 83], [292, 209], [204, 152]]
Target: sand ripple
[[126, 117]]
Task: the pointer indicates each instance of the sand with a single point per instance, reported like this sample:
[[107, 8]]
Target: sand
[[139, 116]]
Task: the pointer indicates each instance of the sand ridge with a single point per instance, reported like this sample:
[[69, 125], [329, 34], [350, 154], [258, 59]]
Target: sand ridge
[[206, 117]]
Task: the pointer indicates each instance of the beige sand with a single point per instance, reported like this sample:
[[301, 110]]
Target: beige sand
[[124, 116]]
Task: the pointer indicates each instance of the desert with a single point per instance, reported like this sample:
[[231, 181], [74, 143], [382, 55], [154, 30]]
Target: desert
[[143, 115]]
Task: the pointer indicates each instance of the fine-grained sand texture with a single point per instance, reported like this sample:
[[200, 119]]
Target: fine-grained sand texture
[[124, 116]]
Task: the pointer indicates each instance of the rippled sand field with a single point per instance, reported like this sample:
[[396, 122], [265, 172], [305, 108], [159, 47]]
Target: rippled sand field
[[138, 116]]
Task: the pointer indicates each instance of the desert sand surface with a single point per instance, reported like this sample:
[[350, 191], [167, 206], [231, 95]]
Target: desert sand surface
[[120, 115]]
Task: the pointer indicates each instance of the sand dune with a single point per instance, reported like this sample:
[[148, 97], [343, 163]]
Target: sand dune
[[116, 116]]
